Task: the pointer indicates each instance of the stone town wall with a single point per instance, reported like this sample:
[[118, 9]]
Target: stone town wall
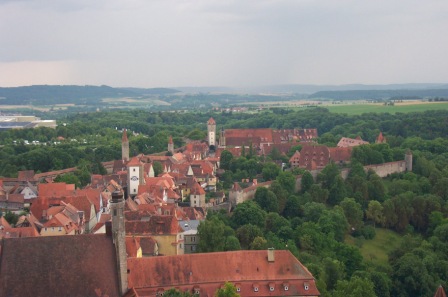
[[382, 170], [246, 194]]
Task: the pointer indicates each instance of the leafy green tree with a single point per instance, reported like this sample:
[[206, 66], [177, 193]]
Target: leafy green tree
[[266, 199], [270, 171], [274, 222], [337, 191], [157, 167], [328, 175], [334, 222], [318, 194], [214, 235], [353, 212], [355, 287], [225, 159], [176, 293], [259, 243], [229, 290], [246, 235], [375, 212], [410, 277], [11, 217], [232, 244], [248, 213], [280, 193], [307, 181], [68, 178], [333, 272], [287, 180], [292, 207]]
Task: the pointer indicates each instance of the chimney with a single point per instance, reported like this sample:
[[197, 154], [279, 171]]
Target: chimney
[[271, 255], [108, 228]]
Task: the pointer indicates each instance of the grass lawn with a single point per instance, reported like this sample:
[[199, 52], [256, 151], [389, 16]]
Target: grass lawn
[[377, 249], [356, 109]]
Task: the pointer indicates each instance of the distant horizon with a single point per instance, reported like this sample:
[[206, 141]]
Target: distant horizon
[[231, 86]]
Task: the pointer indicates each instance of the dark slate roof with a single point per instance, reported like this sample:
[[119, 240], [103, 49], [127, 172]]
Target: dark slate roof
[[78, 265]]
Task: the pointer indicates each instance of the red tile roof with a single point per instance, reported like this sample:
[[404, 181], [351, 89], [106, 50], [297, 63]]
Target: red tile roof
[[246, 269], [340, 154], [211, 121], [157, 225], [80, 265], [320, 155], [347, 142], [132, 246], [440, 292], [197, 190]]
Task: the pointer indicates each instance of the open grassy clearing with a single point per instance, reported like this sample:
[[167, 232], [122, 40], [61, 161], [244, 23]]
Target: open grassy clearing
[[378, 248]]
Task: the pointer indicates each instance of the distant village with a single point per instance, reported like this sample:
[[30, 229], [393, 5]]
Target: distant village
[[136, 227]]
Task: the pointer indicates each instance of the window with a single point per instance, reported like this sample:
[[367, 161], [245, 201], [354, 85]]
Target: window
[[255, 289], [134, 171], [238, 289], [271, 289], [286, 288], [60, 229]]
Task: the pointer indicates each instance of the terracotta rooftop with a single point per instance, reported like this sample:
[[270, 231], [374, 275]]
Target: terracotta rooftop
[[82, 265], [246, 269], [440, 292], [348, 142], [157, 225], [211, 121]]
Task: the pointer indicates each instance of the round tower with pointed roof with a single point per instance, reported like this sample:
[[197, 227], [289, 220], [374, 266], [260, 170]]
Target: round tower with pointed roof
[[211, 128]]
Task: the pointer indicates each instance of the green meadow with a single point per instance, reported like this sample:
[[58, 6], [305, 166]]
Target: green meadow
[[357, 109], [378, 248]]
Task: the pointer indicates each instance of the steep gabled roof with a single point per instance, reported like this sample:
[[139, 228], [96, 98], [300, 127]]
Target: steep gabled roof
[[83, 265]]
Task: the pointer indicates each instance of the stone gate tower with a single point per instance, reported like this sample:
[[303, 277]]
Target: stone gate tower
[[171, 145], [125, 146], [119, 236], [211, 128]]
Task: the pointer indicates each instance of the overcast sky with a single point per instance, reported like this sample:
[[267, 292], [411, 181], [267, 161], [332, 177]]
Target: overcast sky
[[169, 43]]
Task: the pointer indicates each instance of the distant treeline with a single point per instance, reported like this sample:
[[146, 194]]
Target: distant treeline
[[380, 94], [84, 95]]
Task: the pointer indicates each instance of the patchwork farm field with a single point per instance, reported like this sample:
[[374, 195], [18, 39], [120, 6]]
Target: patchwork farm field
[[417, 106]]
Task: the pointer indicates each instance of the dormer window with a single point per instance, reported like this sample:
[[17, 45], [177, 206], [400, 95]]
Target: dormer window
[[306, 286], [286, 286], [255, 289], [271, 289], [238, 289]]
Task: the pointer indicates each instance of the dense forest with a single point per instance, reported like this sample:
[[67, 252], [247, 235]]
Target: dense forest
[[329, 225]]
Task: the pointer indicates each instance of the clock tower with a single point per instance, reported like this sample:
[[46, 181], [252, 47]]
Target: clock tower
[[135, 176], [211, 128]]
